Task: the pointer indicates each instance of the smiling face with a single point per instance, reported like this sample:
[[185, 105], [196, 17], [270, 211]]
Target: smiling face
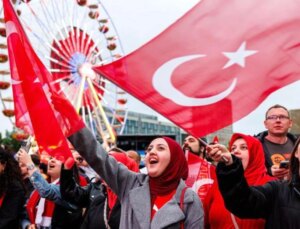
[[158, 157], [240, 149], [54, 168]]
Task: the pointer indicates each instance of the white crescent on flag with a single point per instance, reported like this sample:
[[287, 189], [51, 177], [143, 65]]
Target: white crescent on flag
[[10, 28], [162, 83], [201, 182], [15, 82]]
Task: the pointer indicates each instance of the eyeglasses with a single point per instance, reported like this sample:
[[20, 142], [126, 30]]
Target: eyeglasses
[[79, 159], [275, 117]]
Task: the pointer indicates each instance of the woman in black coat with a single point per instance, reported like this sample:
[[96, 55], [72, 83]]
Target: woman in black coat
[[12, 192], [278, 202]]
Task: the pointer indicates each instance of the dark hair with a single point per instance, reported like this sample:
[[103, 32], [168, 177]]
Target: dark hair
[[35, 159], [294, 162], [201, 144], [43, 167], [11, 173], [276, 106]]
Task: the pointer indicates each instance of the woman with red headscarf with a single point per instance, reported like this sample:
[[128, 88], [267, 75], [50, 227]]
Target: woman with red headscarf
[[157, 200], [249, 150]]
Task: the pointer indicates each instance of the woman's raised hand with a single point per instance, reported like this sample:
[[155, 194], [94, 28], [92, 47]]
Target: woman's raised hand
[[219, 153], [24, 157]]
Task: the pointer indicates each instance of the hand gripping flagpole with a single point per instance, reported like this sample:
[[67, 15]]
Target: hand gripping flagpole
[[208, 146]]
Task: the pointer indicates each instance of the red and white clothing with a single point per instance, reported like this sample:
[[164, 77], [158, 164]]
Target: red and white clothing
[[216, 215], [40, 210], [201, 175]]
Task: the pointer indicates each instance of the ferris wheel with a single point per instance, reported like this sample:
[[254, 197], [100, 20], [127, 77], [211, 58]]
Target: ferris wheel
[[70, 36]]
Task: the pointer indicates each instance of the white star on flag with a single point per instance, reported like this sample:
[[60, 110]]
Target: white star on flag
[[238, 57], [37, 80]]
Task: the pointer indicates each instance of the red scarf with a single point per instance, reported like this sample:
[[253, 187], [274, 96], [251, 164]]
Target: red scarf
[[32, 204], [1, 199], [201, 175], [82, 181], [256, 172], [176, 170], [160, 201], [217, 216]]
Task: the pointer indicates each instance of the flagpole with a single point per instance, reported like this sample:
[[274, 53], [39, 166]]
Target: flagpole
[[101, 110], [79, 98], [208, 146]]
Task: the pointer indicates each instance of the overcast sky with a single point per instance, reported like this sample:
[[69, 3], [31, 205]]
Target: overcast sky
[[137, 21]]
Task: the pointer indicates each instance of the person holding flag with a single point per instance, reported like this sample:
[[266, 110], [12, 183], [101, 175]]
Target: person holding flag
[[45, 207], [249, 150], [278, 202], [146, 200]]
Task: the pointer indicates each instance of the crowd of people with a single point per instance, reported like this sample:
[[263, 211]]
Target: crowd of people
[[252, 183]]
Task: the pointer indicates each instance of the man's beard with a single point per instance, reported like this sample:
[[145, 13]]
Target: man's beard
[[190, 150]]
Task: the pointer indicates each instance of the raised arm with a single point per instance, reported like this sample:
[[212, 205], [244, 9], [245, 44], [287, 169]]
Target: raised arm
[[46, 190], [239, 198], [116, 175]]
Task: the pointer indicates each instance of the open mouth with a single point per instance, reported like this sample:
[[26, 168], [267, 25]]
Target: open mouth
[[153, 161], [51, 166]]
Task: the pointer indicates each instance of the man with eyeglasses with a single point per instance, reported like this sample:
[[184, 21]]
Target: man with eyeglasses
[[277, 142]]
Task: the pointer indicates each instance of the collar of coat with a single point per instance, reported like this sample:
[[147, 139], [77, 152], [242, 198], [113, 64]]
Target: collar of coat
[[170, 213]]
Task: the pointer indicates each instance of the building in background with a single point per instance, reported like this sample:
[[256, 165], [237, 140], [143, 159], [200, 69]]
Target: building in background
[[295, 116], [145, 124], [141, 128]]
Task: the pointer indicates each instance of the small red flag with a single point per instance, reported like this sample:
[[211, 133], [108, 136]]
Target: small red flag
[[31, 85], [216, 139], [216, 64]]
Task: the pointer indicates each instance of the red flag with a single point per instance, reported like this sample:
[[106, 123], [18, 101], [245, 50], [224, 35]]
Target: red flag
[[216, 64], [30, 80], [216, 139]]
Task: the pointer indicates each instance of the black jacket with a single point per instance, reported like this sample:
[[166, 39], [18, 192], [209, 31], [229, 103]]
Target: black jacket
[[277, 202], [92, 197], [12, 204], [261, 137], [65, 219]]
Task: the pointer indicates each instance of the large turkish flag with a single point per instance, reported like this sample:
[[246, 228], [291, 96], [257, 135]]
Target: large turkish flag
[[31, 84], [216, 64]]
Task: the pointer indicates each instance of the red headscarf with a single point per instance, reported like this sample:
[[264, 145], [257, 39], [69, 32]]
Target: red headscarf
[[256, 172], [131, 165], [177, 169]]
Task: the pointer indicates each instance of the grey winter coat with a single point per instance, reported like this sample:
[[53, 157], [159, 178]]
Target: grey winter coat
[[133, 191]]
